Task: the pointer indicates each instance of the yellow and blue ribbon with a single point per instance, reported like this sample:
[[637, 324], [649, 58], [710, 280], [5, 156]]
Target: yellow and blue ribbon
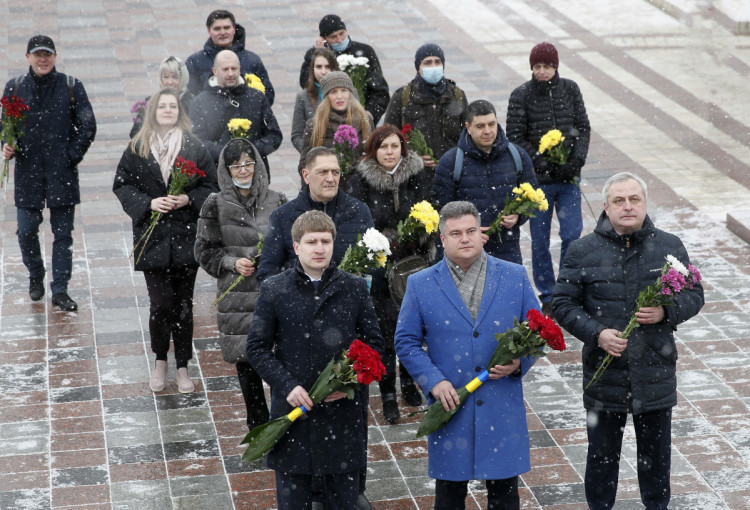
[[296, 413], [477, 381]]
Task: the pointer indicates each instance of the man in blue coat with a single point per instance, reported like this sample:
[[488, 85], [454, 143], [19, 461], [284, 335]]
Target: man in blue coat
[[227, 98], [224, 34], [487, 174], [455, 308], [303, 318], [60, 127]]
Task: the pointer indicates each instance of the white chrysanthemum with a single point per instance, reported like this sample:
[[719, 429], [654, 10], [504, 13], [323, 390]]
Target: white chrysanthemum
[[677, 265], [346, 60], [376, 242]]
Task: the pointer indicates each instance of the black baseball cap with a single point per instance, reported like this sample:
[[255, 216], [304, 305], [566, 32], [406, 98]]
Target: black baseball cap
[[41, 43]]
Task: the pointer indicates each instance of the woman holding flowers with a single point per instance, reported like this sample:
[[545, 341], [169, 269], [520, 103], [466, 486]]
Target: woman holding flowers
[[141, 184], [173, 74], [229, 241], [308, 99], [390, 179], [340, 107]]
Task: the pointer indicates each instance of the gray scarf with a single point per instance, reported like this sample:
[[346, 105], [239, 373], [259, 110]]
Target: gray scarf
[[471, 283]]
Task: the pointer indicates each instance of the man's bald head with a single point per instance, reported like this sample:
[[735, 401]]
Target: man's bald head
[[227, 69]]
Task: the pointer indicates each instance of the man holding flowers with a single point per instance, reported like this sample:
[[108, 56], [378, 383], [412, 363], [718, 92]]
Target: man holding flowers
[[455, 308], [303, 318], [600, 281]]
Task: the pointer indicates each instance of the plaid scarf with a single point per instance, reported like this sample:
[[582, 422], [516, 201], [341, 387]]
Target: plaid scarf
[[470, 283]]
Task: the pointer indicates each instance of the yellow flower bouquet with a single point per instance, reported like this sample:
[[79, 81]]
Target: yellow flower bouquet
[[254, 82], [423, 219], [239, 128], [525, 200], [552, 144]]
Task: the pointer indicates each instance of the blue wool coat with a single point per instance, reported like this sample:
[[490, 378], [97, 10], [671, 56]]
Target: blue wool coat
[[486, 179], [487, 438]]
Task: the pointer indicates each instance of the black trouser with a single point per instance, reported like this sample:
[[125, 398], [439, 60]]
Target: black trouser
[[252, 391], [170, 292], [339, 492], [653, 433], [501, 494]]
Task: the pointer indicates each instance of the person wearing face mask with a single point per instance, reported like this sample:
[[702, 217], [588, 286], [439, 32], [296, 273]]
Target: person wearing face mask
[[543, 103], [173, 74], [323, 62], [391, 179], [334, 36], [431, 103], [339, 107], [231, 224]]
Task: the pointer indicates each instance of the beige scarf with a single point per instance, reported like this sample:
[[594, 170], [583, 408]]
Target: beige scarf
[[165, 150]]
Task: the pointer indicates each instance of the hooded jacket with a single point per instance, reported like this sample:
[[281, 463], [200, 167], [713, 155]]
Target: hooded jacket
[[600, 280], [213, 108], [230, 227], [486, 180], [200, 64]]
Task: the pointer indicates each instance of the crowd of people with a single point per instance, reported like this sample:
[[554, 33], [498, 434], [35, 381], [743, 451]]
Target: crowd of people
[[200, 196]]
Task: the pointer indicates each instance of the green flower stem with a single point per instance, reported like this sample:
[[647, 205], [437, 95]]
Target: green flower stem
[[578, 185], [236, 282]]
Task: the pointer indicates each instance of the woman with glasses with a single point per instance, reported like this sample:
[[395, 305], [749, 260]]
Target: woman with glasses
[[142, 182], [230, 231], [173, 74]]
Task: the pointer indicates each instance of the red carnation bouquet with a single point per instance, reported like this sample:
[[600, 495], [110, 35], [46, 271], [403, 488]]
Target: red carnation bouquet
[[360, 364], [526, 338], [14, 118], [184, 174], [415, 140]]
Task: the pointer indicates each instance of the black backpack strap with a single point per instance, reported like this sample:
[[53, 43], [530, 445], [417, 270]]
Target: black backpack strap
[[516, 161], [458, 167], [405, 93], [71, 86]]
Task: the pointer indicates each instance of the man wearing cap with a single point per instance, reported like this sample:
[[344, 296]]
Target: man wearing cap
[[60, 127], [541, 104], [334, 36], [225, 34], [431, 103]]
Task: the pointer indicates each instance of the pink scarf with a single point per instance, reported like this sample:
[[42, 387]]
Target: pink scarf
[[165, 150]]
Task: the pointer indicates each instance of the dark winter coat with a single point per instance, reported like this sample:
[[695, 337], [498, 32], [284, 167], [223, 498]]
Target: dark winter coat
[[295, 332], [139, 180], [376, 88], [229, 228], [200, 63], [57, 134], [440, 119], [535, 108], [600, 280], [213, 108], [350, 216], [486, 180]]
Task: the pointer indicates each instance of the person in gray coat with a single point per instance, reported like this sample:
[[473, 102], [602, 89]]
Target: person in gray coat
[[231, 226], [308, 99]]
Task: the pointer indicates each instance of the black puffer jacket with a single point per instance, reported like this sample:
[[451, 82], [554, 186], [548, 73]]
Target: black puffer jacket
[[376, 88], [229, 228], [139, 180], [535, 108], [440, 119], [600, 280], [295, 332]]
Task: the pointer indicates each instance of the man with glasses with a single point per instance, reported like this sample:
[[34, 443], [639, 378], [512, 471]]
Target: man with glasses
[[60, 127]]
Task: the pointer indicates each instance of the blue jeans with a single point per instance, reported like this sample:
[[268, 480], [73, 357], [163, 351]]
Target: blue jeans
[[61, 221], [566, 199]]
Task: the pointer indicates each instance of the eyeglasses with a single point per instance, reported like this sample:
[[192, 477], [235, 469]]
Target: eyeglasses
[[247, 165]]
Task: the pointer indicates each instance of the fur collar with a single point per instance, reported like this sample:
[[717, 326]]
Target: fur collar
[[374, 175]]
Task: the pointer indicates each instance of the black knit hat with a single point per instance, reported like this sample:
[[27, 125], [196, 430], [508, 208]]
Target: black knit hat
[[544, 53], [329, 24], [428, 50], [41, 43]]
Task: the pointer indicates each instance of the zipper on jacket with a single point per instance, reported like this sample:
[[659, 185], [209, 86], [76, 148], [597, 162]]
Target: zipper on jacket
[[552, 108]]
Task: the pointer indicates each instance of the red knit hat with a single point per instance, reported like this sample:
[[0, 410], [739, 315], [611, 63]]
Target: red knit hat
[[544, 53]]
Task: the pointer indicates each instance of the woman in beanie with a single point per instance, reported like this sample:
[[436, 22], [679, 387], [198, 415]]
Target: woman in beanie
[[323, 62], [543, 103], [340, 106]]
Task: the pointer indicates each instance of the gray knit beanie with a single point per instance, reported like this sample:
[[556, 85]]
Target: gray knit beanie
[[336, 79]]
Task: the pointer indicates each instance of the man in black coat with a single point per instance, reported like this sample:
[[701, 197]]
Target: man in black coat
[[303, 318], [321, 191], [60, 127], [594, 298], [541, 104], [229, 98], [333, 35]]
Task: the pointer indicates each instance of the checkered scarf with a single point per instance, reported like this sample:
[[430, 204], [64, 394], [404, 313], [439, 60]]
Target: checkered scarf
[[471, 283]]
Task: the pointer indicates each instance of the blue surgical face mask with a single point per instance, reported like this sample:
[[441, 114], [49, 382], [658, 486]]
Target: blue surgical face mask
[[342, 45], [240, 185], [432, 74]]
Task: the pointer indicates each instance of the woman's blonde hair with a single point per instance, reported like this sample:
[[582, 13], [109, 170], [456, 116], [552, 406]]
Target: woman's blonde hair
[[356, 116], [175, 65], [141, 142]]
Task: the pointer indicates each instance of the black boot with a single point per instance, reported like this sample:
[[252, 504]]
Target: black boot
[[409, 391], [390, 408], [36, 288]]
